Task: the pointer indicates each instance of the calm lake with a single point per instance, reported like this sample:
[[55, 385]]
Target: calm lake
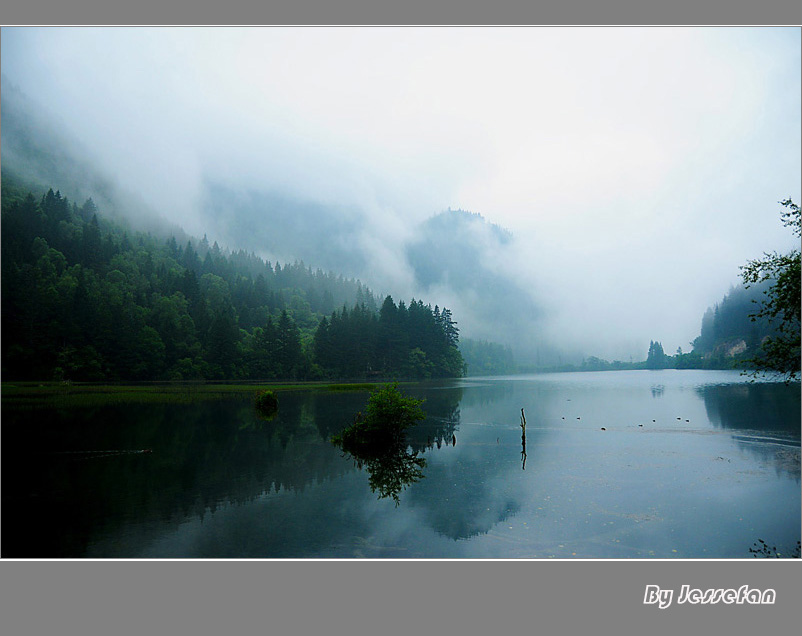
[[630, 464]]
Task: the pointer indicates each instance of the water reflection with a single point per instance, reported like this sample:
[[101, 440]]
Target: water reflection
[[393, 463], [658, 390], [442, 407], [758, 415], [763, 406], [203, 455], [220, 482], [472, 489], [391, 468], [482, 393]]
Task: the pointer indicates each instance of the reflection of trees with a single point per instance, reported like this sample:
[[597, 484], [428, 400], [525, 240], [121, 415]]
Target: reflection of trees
[[768, 406], [377, 441], [486, 486], [658, 390], [203, 455], [215, 453], [488, 394], [333, 410], [766, 417], [391, 467], [442, 408]]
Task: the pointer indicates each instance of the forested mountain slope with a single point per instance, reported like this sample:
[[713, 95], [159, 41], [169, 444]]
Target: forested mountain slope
[[729, 335], [85, 299]]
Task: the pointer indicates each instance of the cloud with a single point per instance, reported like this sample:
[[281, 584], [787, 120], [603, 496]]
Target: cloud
[[636, 168]]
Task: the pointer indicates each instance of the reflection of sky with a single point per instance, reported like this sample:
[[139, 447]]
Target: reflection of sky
[[665, 479]]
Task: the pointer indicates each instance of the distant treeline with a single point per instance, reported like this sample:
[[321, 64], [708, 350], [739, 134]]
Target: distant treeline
[[487, 358], [731, 338], [731, 330], [83, 299]]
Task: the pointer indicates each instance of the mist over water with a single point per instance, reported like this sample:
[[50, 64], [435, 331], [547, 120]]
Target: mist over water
[[622, 175]]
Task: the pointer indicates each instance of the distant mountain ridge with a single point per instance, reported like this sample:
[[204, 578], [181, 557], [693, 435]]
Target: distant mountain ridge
[[462, 256], [456, 257]]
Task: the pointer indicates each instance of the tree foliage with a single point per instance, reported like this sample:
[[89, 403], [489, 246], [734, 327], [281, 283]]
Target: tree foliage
[[84, 299], [387, 415], [656, 358], [415, 341], [486, 358], [781, 306], [377, 442]]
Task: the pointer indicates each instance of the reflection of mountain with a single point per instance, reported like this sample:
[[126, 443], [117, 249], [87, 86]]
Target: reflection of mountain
[[455, 498], [483, 487], [467, 510], [764, 418]]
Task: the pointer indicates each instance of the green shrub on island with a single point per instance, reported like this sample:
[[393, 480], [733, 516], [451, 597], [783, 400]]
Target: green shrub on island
[[387, 415], [377, 443]]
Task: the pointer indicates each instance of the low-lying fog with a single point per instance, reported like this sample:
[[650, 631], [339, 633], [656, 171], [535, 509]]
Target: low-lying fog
[[622, 175]]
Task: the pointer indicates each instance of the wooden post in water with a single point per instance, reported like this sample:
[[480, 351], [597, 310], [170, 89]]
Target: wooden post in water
[[523, 440]]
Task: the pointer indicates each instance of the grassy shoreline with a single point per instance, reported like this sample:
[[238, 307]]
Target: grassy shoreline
[[59, 395]]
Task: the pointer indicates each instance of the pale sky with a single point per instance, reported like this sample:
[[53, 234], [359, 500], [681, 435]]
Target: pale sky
[[637, 168]]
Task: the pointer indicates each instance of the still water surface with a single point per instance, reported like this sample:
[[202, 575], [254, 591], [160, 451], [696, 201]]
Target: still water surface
[[691, 464]]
